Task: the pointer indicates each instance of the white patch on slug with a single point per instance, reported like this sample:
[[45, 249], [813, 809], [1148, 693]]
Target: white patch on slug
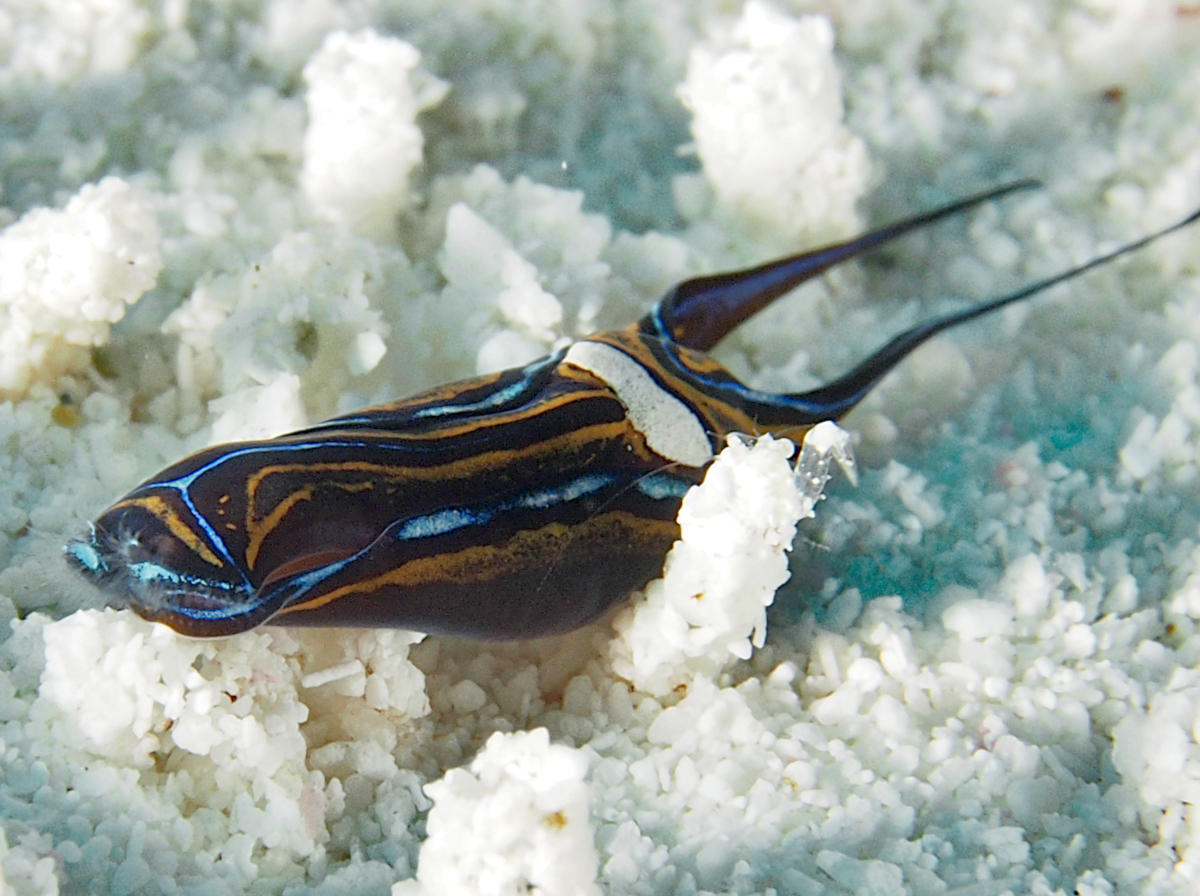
[[671, 429]]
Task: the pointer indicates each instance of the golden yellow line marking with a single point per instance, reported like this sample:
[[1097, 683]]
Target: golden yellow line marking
[[481, 563], [258, 530], [460, 469], [453, 430], [177, 527]]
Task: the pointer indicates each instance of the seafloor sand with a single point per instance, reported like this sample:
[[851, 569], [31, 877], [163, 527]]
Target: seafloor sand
[[984, 675]]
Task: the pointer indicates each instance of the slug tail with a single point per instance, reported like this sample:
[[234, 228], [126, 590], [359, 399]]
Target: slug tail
[[698, 313], [833, 400]]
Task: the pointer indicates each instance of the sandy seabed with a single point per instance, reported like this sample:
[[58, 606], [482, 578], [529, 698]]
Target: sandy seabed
[[225, 220]]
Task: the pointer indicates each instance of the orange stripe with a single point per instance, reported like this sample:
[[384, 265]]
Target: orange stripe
[[155, 505], [259, 528], [257, 531], [482, 563]]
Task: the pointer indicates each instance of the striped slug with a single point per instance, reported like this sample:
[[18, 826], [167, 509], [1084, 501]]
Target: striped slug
[[515, 505]]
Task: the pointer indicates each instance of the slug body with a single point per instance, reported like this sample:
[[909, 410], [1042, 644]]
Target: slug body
[[515, 505]]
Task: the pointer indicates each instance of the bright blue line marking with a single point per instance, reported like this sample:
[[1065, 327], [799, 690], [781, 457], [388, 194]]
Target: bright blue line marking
[[148, 572], [435, 524], [661, 486], [440, 523], [247, 604], [152, 572], [572, 491], [444, 521], [773, 399], [496, 399], [302, 584], [87, 555], [183, 484], [656, 316]]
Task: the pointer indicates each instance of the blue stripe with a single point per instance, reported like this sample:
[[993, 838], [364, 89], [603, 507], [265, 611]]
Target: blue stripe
[[496, 399], [454, 518], [662, 486], [770, 399], [441, 523]]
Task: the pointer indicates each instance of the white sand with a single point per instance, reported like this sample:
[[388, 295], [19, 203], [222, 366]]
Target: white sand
[[984, 676]]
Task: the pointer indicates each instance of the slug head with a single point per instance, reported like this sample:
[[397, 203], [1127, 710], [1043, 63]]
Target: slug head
[[143, 556]]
